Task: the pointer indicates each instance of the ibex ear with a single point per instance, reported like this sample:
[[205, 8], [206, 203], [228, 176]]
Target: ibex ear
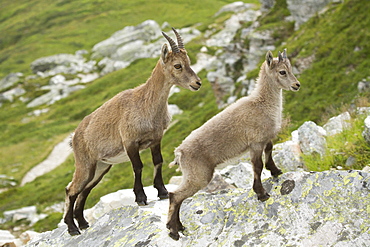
[[269, 58], [280, 57], [165, 52]]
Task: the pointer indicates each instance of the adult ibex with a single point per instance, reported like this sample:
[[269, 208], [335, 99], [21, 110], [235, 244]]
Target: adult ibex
[[248, 124], [133, 120]]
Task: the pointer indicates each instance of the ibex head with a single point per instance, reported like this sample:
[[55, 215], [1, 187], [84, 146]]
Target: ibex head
[[177, 64], [281, 71]]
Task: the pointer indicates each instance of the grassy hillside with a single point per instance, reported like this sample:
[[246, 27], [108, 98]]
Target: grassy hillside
[[339, 41], [338, 38], [342, 53], [46, 28], [32, 29]]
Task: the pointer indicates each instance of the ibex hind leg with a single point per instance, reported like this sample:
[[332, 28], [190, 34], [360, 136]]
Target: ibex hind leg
[[81, 178], [269, 162], [188, 187], [101, 170]]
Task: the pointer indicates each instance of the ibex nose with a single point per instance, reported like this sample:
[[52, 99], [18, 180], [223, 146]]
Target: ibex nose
[[196, 85], [296, 86]]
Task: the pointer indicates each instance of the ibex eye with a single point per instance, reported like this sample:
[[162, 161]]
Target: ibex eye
[[177, 66], [282, 72]]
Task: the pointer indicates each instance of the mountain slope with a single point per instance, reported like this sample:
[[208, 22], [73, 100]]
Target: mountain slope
[[337, 39]]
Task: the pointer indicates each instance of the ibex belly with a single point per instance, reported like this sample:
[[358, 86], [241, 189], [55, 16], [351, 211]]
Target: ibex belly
[[123, 157], [119, 158]]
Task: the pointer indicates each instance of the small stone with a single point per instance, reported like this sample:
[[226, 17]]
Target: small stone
[[350, 161]]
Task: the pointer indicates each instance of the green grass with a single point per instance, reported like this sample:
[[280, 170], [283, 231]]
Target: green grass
[[50, 187], [340, 147], [338, 39], [40, 28], [26, 143], [332, 79]]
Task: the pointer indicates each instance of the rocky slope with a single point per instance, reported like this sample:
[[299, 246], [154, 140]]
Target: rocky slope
[[304, 206], [305, 209], [228, 54]]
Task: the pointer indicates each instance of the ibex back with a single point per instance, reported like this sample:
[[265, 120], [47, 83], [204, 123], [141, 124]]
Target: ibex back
[[131, 121]]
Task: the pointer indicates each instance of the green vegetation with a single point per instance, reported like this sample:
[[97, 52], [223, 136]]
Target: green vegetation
[[340, 147], [49, 29], [338, 39], [41, 28]]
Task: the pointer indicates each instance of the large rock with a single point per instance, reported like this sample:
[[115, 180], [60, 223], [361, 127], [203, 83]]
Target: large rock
[[287, 156], [26, 213], [144, 32], [62, 63], [305, 209], [6, 181], [224, 37], [132, 43], [7, 239], [126, 197], [303, 10], [259, 43], [11, 94], [312, 138], [267, 4], [232, 59], [364, 85], [10, 80], [57, 92], [337, 124], [235, 7], [241, 175], [366, 132]]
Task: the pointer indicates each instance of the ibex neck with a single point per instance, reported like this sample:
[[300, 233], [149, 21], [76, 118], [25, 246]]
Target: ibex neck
[[267, 90], [269, 96], [157, 87]]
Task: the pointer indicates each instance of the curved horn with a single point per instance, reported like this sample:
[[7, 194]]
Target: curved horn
[[284, 53], [174, 47], [179, 39]]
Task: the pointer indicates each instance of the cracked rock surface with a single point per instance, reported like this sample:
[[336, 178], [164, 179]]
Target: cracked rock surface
[[328, 208]]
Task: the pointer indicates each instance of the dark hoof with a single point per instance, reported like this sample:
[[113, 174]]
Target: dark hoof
[[174, 236], [142, 203], [163, 196], [84, 226], [181, 228], [74, 232], [276, 173], [264, 197]]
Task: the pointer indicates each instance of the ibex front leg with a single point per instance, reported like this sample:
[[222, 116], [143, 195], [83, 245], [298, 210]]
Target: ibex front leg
[[158, 180], [133, 153], [256, 158], [269, 162]]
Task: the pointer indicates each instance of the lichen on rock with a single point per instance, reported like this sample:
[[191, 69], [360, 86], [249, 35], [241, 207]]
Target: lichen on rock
[[328, 208]]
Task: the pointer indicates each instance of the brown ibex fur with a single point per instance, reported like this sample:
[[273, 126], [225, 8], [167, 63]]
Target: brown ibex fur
[[248, 124], [133, 120]]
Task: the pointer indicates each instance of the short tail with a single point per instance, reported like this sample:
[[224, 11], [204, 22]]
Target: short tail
[[70, 139], [176, 161]]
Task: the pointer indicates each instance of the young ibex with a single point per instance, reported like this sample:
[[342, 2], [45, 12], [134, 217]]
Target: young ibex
[[248, 124], [133, 120]]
